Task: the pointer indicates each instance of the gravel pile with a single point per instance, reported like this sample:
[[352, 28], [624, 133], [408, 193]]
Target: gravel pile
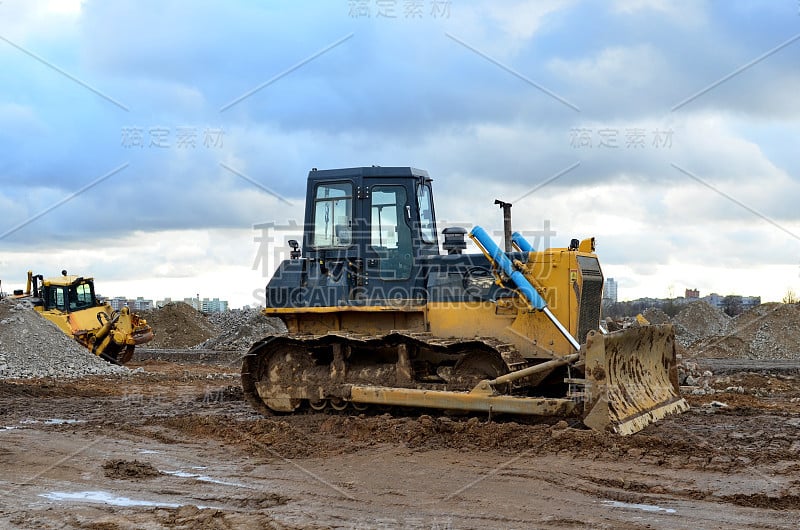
[[178, 325], [240, 328], [769, 331], [656, 316], [33, 347], [697, 321]]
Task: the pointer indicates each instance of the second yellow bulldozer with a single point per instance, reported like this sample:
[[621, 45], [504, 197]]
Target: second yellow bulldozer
[[70, 303], [376, 315]]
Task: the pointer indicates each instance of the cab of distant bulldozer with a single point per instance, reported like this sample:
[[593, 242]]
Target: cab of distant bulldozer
[[69, 293]]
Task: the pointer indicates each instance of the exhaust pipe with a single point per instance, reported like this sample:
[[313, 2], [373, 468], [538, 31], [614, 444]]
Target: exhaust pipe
[[506, 206]]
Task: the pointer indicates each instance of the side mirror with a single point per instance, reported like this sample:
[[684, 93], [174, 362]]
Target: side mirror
[[295, 253]]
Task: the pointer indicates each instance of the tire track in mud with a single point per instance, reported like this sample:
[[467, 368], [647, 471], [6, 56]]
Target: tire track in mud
[[655, 491]]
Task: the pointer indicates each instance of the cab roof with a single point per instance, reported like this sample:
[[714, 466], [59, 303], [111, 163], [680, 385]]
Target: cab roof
[[65, 281], [369, 171]]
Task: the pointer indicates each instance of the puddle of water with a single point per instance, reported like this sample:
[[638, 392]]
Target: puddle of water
[[52, 421], [59, 421], [201, 478], [149, 452], [643, 507], [104, 498]]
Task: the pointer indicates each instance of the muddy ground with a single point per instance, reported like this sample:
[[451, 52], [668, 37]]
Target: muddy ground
[[174, 446]]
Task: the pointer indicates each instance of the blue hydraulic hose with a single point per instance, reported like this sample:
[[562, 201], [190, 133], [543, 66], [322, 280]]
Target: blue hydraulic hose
[[524, 287], [521, 242], [502, 261]]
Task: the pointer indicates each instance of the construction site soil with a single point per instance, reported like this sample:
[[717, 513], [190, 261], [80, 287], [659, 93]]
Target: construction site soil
[[171, 443]]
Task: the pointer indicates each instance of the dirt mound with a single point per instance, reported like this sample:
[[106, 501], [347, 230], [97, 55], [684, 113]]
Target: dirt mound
[[697, 321], [33, 347], [274, 437], [129, 469], [656, 316], [769, 331], [240, 328], [178, 325]]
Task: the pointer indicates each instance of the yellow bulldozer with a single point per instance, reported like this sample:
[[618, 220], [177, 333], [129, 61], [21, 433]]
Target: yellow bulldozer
[[71, 304], [377, 315]]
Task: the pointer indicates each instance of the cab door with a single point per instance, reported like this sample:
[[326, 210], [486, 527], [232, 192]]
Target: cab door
[[388, 253]]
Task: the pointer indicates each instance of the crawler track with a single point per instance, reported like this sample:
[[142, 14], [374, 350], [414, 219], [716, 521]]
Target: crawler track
[[283, 373]]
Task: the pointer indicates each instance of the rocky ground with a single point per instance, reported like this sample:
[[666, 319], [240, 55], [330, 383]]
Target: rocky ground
[[169, 443]]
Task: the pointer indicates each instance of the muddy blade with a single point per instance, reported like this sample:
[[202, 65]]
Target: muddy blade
[[632, 379]]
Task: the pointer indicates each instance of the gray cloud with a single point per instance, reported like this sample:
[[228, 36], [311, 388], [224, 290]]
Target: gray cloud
[[400, 92]]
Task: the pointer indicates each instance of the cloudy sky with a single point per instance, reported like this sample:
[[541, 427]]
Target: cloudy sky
[[142, 142]]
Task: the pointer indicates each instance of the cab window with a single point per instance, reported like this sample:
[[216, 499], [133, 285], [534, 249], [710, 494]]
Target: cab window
[[425, 204], [54, 298], [81, 296], [333, 215], [390, 234]]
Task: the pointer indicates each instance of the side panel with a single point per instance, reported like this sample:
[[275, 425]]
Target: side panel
[[540, 336], [59, 319], [557, 280], [530, 333], [369, 321], [572, 285]]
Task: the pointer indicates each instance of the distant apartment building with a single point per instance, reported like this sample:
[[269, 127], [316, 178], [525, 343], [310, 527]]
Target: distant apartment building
[[743, 302], [749, 302], [140, 304], [610, 291], [194, 302], [692, 294], [162, 303], [118, 302], [134, 304], [714, 299], [215, 305]]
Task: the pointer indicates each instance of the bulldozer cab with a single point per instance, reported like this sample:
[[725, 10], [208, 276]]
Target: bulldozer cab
[[366, 229], [68, 294]]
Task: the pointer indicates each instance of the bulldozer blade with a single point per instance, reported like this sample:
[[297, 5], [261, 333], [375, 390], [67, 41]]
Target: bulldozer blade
[[632, 379]]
